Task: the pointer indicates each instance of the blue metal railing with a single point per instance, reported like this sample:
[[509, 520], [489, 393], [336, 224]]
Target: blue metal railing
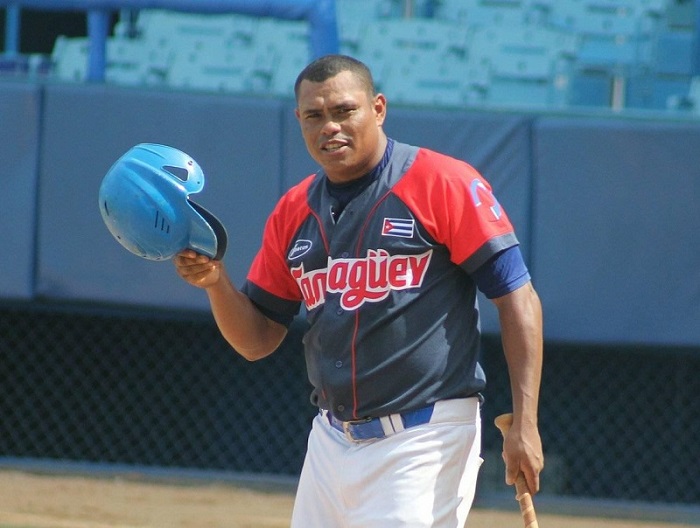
[[321, 15]]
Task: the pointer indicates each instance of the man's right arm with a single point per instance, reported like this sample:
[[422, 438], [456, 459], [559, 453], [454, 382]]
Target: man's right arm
[[246, 329]]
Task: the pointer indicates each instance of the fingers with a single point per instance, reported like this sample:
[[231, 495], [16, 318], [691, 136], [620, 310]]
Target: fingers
[[533, 481], [196, 269], [188, 262], [512, 471], [525, 464], [187, 255], [529, 477]]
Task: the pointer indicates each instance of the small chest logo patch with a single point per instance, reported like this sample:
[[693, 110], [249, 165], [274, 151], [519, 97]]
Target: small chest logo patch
[[398, 227], [301, 248]]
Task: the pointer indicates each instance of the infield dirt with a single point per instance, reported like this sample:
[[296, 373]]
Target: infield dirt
[[29, 500]]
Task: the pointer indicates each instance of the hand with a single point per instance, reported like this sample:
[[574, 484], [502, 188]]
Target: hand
[[196, 269], [522, 453]]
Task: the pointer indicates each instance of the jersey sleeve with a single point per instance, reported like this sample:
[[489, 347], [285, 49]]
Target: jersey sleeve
[[502, 274], [269, 283], [456, 205]]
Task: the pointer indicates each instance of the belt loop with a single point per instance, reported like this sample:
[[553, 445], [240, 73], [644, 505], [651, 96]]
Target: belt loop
[[395, 422], [346, 430]]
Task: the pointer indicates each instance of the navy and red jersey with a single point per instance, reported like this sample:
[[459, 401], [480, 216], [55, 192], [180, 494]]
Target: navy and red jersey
[[391, 305]]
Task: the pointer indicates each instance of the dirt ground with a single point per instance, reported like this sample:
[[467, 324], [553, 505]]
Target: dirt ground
[[29, 500]]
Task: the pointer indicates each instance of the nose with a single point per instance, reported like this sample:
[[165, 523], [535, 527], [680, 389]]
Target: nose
[[330, 128]]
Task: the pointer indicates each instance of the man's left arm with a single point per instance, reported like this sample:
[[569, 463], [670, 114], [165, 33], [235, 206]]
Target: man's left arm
[[520, 316]]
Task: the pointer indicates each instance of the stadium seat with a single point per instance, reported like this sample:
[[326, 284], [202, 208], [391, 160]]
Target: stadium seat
[[69, 56], [390, 45], [680, 15], [609, 18], [652, 92], [366, 10], [512, 92], [218, 64], [674, 53], [485, 13], [616, 43], [421, 78], [133, 62], [351, 34], [654, 8], [526, 65], [490, 13], [522, 52], [407, 35], [157, 24], [287, 43], [616, 55], [198, 70], [285, 74], [591, 89], [694, 94], [202, 51], [669, 92]]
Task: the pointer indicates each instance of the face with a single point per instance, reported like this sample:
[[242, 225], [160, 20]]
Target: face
[[342, 125]]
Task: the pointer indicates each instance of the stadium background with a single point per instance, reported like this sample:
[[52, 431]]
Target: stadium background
[[108, 360]]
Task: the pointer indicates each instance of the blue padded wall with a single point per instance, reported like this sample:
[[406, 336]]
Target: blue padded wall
[[615, 229], [297, 163], [605, 208], [236, 141], [20, 110]]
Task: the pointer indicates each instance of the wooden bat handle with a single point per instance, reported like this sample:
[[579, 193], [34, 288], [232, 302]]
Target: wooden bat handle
[[522, 492]]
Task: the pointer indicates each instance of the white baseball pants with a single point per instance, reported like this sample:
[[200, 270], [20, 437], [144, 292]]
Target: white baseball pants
[[422, 477]]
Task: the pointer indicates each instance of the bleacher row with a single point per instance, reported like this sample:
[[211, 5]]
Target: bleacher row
[[524, 53]]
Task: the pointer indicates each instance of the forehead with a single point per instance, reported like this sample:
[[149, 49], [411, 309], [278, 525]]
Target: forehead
[[343, 86]]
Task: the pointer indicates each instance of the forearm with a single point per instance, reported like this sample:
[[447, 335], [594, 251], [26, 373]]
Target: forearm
[[520, 315], [247, 330], [521, 331]]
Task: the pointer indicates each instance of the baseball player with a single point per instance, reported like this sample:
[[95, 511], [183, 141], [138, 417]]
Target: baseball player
[[385, 248]]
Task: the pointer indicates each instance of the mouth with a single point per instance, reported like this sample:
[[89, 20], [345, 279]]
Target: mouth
[[333, 146]]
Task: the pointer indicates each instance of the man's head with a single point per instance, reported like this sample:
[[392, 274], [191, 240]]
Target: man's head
[[341, 116]]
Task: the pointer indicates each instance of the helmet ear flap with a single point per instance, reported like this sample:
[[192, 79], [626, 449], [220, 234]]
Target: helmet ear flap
[[216, 226]]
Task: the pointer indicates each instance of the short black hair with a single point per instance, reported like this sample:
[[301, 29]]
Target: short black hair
[[329, 66]]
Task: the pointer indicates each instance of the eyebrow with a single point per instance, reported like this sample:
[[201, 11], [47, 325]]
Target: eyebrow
[[339, 106]]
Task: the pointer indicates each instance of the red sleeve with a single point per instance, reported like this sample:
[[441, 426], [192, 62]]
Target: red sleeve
[[269, 270], [454, 203]]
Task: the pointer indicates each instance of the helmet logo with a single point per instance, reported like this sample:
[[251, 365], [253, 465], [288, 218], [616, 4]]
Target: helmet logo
[[161, 222]]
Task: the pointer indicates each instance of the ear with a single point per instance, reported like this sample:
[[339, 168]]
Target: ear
[[297, 114], [380, 108]]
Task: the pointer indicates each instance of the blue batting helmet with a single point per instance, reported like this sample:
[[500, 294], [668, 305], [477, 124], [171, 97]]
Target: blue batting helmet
[[144, 201]]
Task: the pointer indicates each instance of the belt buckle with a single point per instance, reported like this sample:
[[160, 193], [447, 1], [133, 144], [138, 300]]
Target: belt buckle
[[350, 423]]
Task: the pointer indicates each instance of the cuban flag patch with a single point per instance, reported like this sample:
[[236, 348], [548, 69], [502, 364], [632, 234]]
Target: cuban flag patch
[[398, 227]]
